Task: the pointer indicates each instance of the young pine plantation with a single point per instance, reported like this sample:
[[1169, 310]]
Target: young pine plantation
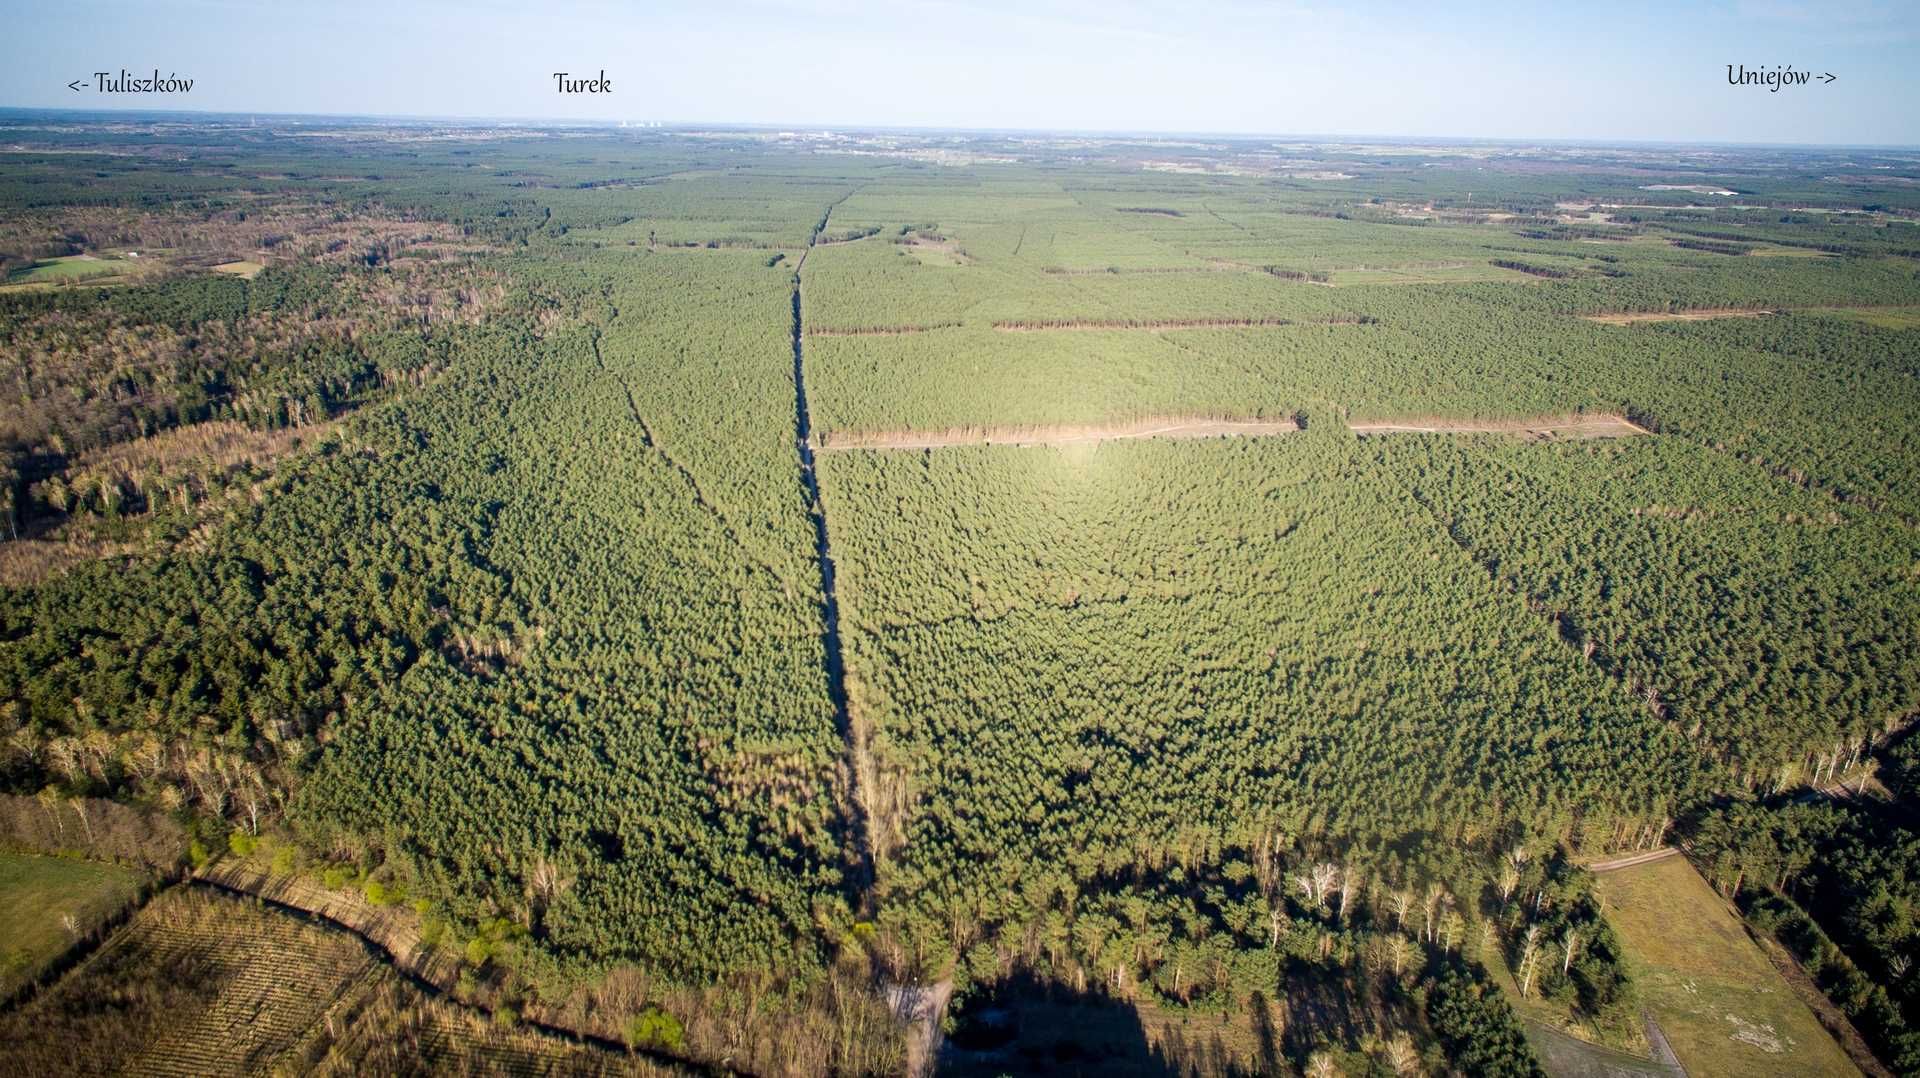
[[624, 601]]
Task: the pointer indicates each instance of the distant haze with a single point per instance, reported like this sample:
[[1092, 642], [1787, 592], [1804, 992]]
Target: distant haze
[[1640, 71]]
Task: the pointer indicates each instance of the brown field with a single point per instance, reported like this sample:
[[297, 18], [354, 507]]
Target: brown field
[[198, 983], [1774, 250], [1886, 317], [736, 1024], [194, 984], [222, 443], [1214, 265], [25, 562], [1539, 429], [394, 1028]]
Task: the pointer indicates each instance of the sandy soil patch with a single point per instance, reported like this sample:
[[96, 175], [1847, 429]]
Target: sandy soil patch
[[1702, 314], [1632, 859], [1691, 188]]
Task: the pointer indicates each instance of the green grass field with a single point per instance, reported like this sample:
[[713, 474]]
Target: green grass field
[[69, 268], [1723, 1007], [36, 893]]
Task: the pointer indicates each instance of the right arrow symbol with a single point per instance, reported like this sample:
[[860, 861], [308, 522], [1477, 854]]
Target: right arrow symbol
[[1828, 76], [74, 86]]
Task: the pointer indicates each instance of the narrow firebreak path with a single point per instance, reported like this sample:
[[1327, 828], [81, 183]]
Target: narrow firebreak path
[[858, 832], [1563, 624], [686, 475]]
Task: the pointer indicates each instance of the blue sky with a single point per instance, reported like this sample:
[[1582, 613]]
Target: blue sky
[[1652, 71]]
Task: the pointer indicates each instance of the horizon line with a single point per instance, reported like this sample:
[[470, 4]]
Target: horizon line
[[841, 128]]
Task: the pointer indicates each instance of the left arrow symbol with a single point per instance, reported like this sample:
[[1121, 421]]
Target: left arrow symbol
[[74, 86]]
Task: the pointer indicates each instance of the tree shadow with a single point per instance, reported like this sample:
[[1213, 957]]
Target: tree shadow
[[1265, 1035], [1024, 1025]]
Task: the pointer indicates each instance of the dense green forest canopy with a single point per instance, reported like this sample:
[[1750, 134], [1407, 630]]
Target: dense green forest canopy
[[447, 504]]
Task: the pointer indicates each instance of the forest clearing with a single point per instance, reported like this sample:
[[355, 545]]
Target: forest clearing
[[1630, 318], [48, 904], [1721, 1004]]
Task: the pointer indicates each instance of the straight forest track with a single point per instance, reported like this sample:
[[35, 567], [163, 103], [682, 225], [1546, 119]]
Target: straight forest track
[[1631, 860], [920, 1008], [858, 829], [1543, 429]]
